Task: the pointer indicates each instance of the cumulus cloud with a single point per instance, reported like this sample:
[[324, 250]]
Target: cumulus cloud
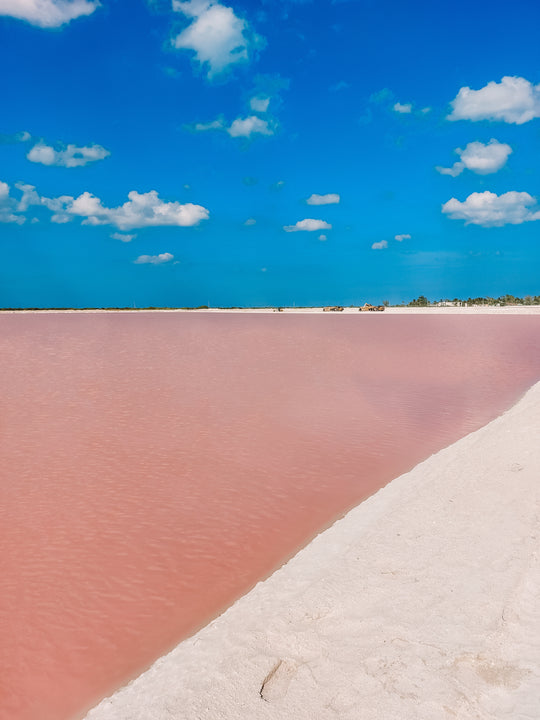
[[250, 222], [513, 100], [401, 238], [122, 237], [141, 210], [404, 109], [481, 159], [48, 13], [8, 206], [329, 199], [259, 104], [70, 157], [217, 36], [309, 225], [245, 127], [323, 237], [382, 245], [154, 259], [491, 210]]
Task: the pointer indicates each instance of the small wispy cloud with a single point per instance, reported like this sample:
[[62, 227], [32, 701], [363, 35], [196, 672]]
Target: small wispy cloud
[[382, 245], [15, 138], [259, 103], [329, 199], [9, 206], [401, 238], [154, 259], [253, 125], [340, 85], [404, 109], [123, 237], [308, 225], [218, 124], [239, 128]]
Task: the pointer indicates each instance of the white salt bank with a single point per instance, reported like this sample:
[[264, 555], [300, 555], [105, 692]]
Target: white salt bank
[[421, 603]]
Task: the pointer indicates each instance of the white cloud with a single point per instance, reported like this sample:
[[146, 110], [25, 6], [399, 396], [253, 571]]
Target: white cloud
[[406, 108], [29, 197], [48, 13], [213, 125], [481, 159], [456, 169], [485, 159], [241, 127], [141, 210], [218, 37], [154, 259], [259, 104], [308, 225], [250, 222], [329, 199], [323, 237], [19, 137], [401, 238], [122, 237], [71, 157], [382, 245], [491, 210], [513, 100], [249, 126], [8, 206]]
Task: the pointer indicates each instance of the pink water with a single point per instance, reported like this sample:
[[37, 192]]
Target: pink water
[[155, 466]]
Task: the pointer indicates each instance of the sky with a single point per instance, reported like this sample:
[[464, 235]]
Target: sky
[[257, 152]]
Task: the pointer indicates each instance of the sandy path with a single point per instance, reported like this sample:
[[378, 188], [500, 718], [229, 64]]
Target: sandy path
[[421, 603]]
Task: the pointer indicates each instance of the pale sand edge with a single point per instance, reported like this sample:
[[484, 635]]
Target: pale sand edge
[[476, 310], [421, 603]]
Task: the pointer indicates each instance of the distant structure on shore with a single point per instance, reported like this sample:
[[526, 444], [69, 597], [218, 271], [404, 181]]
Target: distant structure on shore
[[501, 301]]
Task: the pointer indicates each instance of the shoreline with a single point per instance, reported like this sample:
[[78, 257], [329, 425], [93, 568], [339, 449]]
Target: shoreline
[[439, 622], [474, 310]]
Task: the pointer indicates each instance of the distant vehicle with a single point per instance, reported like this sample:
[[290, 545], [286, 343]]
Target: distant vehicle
[[371, 308]]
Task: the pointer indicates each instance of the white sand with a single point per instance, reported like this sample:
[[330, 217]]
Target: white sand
[[420, 604], [477, 310]]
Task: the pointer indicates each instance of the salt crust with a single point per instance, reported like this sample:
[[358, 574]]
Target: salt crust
[[420, 604]]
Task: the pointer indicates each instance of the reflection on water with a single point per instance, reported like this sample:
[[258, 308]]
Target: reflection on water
[[155, 466]]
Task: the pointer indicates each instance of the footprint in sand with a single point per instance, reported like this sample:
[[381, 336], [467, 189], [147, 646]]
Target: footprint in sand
[[276, 683]]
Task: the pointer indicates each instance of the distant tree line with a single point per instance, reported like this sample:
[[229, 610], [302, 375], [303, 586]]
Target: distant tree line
[[422, 301]]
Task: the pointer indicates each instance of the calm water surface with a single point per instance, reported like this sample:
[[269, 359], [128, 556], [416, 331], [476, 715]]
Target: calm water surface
[[155, 466]]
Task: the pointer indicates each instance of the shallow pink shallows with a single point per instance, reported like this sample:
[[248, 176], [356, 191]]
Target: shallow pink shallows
[[155, 466]]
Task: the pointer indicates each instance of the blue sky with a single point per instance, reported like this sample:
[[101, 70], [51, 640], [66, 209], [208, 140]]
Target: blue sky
[[167, 153]]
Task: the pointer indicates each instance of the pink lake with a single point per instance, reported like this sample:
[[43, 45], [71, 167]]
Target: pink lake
[[156, 465]]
